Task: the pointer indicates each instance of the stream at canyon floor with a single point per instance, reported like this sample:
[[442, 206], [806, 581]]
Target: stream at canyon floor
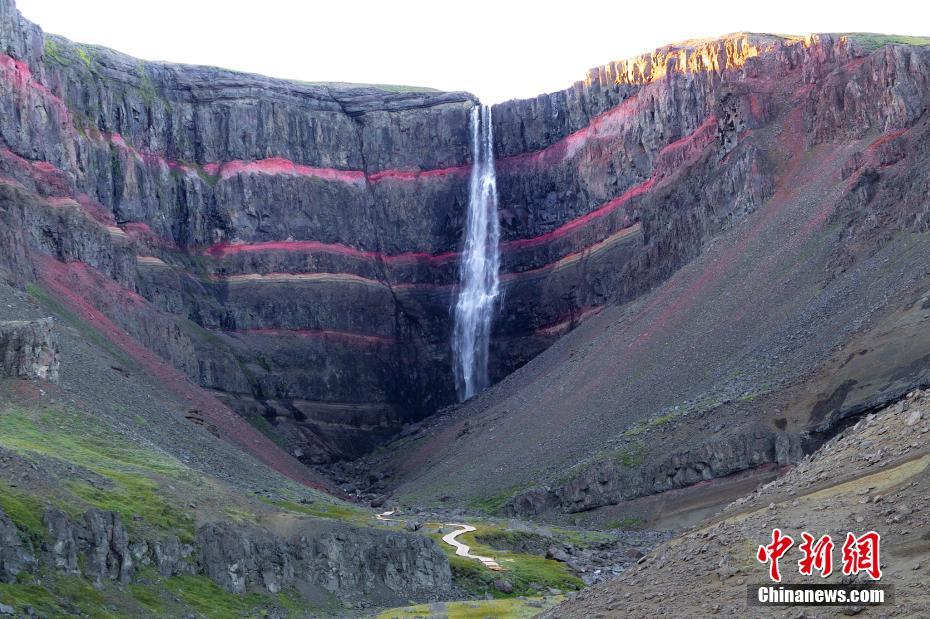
[[462, 550]]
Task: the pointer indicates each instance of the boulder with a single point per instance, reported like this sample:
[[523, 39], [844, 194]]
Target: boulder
[[29, 349]]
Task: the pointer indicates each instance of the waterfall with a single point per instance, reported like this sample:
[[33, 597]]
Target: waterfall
[[479, 285]]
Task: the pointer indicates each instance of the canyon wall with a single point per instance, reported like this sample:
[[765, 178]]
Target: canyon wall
[[293, 247]]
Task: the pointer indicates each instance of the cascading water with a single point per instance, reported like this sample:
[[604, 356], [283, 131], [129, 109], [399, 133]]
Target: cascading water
[[479, 285]]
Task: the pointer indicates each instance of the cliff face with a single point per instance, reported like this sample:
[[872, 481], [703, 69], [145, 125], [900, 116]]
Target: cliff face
[[288, 246], [777, 190], [293, 247]]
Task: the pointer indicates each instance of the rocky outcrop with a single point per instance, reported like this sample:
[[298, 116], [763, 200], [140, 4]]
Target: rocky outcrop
[[15, 556], [29, 349], [610, 481], [98, 548], [883, 92], [350, 561], [236, 559], [531, 502], [107, 546]]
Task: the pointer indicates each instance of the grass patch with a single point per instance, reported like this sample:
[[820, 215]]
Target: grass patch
[[133, 471], [69, 596], [626, 523], [872, 41], [528, 573], [240, 516], [662, 420], [492, 504], [150, 596], [480, 609], [631, 456], [641, 427], [635, 430], [581, 538], [515, 541], [24, 510], [210, 600], [324, 509], [136, 496]]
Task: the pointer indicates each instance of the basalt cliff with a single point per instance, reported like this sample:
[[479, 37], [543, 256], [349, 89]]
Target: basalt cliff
[[292, 248], [748, 219]]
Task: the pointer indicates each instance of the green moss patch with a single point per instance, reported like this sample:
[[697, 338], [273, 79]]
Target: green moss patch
[[70, 596], [261, 423], [480, 609], [53, 52], [23, 509], [492, 504], [631, 456], [325, 509], [133, 474]]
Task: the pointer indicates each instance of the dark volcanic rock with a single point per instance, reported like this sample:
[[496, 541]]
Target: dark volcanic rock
[[235, 559], [15, 556], [390, 567], [101, 541], [29, 349], [350, 561], [106, 547], [609, 482], [64, 541], [530, 502]]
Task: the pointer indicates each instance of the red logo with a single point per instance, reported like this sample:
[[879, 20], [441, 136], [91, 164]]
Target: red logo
[[860, 554], [816, 555], [774, 551]]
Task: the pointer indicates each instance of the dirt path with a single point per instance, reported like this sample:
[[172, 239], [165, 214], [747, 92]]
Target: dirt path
[[461, 550]]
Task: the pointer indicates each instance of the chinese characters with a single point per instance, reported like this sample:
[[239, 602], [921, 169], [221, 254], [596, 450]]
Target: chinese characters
[[859, 554]]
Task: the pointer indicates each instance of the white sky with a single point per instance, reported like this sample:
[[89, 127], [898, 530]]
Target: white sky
[[497, 49]]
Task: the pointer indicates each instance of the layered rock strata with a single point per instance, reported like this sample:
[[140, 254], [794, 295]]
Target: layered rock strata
[[293, 247]]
